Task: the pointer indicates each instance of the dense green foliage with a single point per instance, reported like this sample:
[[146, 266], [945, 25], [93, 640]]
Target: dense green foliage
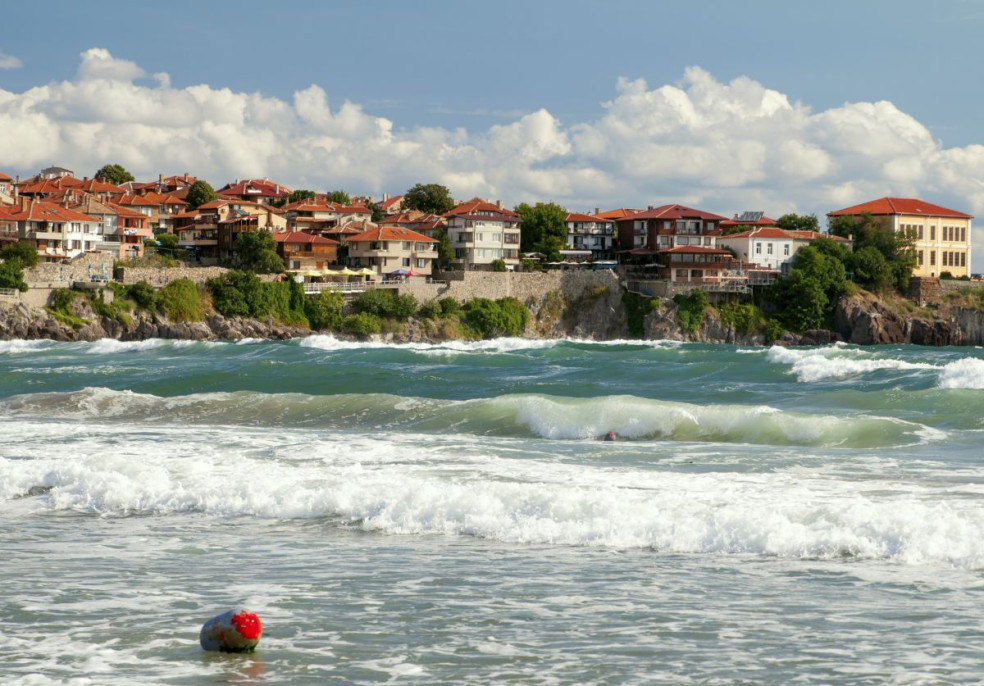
[[256, 251], [498, 265], [242, 294], [338, 196], [491, 319], [690, 309], [449, 307], [798, 222], [180, 302], [636, 308], [445, 252], [324, 310], [293, 196], [806, 298], [385, 303], [432, 198], [115, 174], [544, 228], [745, 318], [201, 192], [360, 324], [22, 251], [167, 242], [16, 258], [896, 249]]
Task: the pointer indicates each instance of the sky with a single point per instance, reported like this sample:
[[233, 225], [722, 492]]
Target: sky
[[768, 105]]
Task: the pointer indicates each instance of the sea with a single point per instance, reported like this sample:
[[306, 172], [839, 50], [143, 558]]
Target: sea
[[450, 513]]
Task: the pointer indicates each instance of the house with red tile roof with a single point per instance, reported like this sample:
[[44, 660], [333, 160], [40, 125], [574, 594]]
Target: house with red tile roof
[[124, 230], [589, 236], [303, 251], [941, 236], [481, 232], [262, 191], [769, 247], [391, 204], [209, 233], [746, 221], [56, 232], [6, 190], [711, 268], [668, 226], [386, 249]]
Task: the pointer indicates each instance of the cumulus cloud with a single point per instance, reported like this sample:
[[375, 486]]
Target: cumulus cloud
[[9, 61], [722, 146]]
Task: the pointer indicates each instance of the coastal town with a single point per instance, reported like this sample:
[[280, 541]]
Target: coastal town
[[323, 236]]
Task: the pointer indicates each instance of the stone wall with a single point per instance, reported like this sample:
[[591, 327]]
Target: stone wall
[[524, 286], [162, 277], [82, 268]]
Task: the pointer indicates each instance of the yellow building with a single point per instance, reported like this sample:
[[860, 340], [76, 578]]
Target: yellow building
[[942, 236]]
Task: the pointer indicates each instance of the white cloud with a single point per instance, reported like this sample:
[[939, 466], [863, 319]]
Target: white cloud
[[9, 61], [725, 147]]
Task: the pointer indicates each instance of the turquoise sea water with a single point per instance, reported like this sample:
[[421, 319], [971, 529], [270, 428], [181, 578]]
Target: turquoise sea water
[[448, 513]]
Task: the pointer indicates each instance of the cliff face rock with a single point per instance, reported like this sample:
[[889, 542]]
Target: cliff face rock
[[663, 324], [23, 322], [865, 320]]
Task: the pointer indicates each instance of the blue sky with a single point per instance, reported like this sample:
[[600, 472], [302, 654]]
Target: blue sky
[[729, 106]]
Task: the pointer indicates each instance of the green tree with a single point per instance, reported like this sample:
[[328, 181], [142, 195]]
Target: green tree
[[324, 311], [201, 192], [179, 300], [256, 251], [875, 232], [445, 252], [806, 298], [798, 222], [114, 173], [22, 251], [543, 228], [12, 275], [498, 265], [377, 212], [166, 242], [293, 196], [492, 319], [338, 196], [872, 270], [432, 198]]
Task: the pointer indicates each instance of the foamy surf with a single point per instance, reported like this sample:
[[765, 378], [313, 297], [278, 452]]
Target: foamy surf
[[534, 415], [401, 490], [966, 373], [837, 362]]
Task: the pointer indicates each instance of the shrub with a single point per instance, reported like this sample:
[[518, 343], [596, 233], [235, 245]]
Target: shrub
[[404, 306], [179, 301], [498, 265], [429, 310], [690, 309], [449, 306], [492, 319], [324, 311], [141, 293], [360, 324], [374, 301], [744, 318], [636, 308]]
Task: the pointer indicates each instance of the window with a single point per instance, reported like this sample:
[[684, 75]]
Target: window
[[920, 232], [963, 234], [785, 250], [932, 235], [406, 262], [919, 258], [768, 249], [421, 263], [963, 259], [758, 248], [932, 257]]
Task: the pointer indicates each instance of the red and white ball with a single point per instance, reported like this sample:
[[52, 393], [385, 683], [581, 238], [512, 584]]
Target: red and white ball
[[235, 631]]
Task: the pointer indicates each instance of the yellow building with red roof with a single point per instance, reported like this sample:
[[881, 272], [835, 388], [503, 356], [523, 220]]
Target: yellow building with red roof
[[942, 237]]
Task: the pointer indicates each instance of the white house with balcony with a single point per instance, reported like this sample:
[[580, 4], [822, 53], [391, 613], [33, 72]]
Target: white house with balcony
[[481, 233], [590, 233], [770, 247], [388, 249], [57, 233]]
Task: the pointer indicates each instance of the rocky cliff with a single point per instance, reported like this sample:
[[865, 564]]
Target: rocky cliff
[[595, 314]]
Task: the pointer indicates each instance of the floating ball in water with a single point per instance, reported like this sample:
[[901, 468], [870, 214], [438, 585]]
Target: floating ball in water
[[235, 631]]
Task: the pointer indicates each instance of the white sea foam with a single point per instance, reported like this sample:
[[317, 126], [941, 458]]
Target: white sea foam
[[965, 373], [18, 346], [405, 485], [111, 345], [836, 362], [496, 345]]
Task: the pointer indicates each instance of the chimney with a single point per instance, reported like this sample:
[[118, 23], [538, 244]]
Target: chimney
[[498, 203], [597, 211], [386, 196]]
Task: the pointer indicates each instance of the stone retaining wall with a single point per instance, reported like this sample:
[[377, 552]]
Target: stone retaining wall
[[523, 286]]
